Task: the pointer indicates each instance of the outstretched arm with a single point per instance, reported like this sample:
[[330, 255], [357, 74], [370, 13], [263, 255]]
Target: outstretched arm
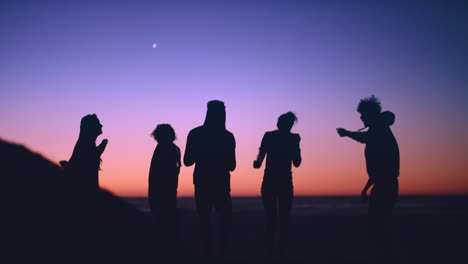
[[358, 136]]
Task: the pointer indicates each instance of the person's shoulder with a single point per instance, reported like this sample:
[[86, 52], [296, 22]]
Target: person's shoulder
[[229, 134], [174, 146], [296, 136], [269, 136], [196, 130], [176, 150]]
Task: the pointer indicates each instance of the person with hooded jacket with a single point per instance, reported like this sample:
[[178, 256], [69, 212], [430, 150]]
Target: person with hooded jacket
[[212, 149], [383, 168]]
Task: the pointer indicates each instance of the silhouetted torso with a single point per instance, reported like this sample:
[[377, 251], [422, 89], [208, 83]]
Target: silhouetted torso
[[281, 148], [163, 176], [382, 153], [85, 162], [213, 151]]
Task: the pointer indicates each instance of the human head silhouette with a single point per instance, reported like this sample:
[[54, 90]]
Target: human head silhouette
[[369, 108], [90, 126], [286, 121], [215, 115], [164, 133], [387, 118]]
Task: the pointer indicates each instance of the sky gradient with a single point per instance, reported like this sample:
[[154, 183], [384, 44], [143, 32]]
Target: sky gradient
[[61, 60]]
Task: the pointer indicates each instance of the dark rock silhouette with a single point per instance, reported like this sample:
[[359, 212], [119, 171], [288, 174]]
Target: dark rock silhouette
[[383, 168], [212, 149], [281, 147], [47, 218]]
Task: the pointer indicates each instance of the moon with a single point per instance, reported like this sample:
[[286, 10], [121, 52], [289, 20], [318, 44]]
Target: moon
[[154, 45]]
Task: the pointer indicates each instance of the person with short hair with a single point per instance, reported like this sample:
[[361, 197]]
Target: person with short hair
[[281, 147], [164, 176], [383, 168]]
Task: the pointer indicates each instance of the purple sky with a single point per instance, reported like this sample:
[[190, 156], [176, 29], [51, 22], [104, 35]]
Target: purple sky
[[61, 60]]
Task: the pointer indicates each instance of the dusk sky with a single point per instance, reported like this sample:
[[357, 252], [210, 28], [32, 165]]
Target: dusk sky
[[61, 60]]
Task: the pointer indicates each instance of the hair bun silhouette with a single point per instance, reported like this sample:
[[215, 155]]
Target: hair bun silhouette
[[388, 118]]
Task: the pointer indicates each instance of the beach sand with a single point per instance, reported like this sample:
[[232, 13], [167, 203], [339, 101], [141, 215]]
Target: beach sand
[[434, 234]]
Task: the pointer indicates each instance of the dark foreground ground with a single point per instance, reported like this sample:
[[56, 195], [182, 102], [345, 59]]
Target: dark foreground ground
[[333, 230]]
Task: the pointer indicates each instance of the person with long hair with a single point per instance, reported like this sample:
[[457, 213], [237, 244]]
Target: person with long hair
[[85, 162], [281, 147]]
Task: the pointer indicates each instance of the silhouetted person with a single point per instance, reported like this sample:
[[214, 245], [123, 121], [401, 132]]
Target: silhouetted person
[[212, 148], [82, 171], [163, 177], [281, 148], [383, 167], [85, 161]]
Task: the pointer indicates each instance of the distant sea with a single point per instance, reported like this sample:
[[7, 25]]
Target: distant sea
[[334, 205]]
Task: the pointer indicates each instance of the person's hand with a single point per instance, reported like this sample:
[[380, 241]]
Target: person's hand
[[257, 164], [364, 196], [104, 143], [342, 132]]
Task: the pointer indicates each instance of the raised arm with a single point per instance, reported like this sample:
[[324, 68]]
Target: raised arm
[[102, 146]]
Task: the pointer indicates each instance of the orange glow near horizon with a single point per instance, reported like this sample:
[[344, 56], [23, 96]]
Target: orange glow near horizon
[[331, 165]]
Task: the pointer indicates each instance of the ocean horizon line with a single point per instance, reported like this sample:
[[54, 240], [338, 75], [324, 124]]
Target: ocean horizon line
[[319, 196]]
